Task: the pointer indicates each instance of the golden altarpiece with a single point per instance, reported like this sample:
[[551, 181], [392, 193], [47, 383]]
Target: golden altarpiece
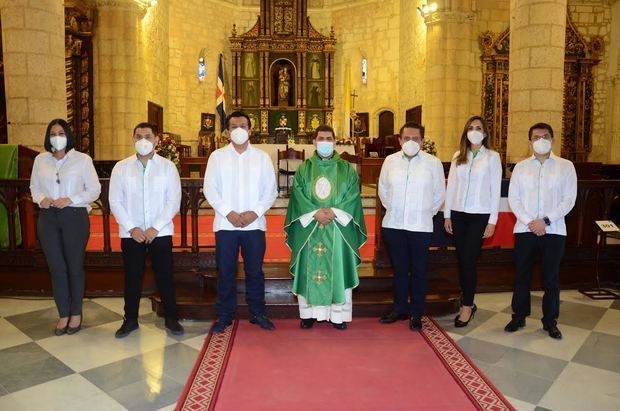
[[283, 73], [579, 60]]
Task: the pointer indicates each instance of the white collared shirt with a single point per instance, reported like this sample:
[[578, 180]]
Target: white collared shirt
[[475, 186], [73, 176], [542, 190], [240, 182], [411, 191], [145, 197]]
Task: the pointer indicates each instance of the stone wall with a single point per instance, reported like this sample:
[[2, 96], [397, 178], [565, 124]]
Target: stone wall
[[377, 39], [33, 36], [412, 59]]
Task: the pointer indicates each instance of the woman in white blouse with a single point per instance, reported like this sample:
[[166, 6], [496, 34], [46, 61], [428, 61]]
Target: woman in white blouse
[[472, 206], [63, 183]]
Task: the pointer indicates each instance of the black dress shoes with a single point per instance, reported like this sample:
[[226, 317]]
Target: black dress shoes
[[415, 323], [392, 317], [126, 329], [340, 326], [553, 331], [73, 330], [60, 331], [307, 323], [172, 325], [514, 324], [458, 323], [220, 325], [263, 322]]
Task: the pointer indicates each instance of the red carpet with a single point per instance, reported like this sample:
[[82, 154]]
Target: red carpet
[[277, 251], [370, 366]]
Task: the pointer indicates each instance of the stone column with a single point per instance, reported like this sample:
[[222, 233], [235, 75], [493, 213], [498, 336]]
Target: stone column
[[34, 68], [451, 78], [118, 80], [537, 32]]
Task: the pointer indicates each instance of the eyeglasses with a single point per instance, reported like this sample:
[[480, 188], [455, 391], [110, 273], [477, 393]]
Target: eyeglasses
[[544, 136], [57, 178]]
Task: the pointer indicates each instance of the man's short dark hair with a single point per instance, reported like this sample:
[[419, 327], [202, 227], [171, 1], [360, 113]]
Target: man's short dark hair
[[324, 127], [144, 124], [412, 124], [543, 126], [68, 133], [236, 114]]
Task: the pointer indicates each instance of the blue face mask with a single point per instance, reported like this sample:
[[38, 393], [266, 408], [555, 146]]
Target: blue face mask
[[325, 148]]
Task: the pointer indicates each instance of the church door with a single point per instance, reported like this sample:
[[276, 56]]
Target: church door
[[386, 124]]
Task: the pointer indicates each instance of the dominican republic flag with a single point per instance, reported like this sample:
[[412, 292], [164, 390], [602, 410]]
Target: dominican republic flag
[[220, 105]]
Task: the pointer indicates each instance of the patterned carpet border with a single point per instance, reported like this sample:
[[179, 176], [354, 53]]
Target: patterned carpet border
[[483, 394], [203, 384]]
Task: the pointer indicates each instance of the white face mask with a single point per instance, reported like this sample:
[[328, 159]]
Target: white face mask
[[239, 136], [542, 146], [475, 137], [143, 147], [411, 148], [58, 142], [325, 148]]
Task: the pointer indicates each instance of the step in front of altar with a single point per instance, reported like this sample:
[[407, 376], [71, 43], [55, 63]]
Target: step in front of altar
[[373, 296]]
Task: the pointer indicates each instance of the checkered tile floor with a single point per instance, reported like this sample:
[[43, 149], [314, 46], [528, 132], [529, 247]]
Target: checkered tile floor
[[147, 370]]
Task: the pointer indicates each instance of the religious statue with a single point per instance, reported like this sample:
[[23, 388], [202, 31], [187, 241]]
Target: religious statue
[[315, 91], [248, 65], [315, 68], [283, 133], [284, 79]]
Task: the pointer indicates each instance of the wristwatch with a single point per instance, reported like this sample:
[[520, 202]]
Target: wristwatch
[[546, 220]]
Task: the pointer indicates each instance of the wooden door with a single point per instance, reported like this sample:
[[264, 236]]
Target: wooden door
[[386, 124], [414, 114], [156, 116]]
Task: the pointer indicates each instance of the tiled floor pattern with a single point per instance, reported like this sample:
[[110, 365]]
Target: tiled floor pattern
[[147, 370]]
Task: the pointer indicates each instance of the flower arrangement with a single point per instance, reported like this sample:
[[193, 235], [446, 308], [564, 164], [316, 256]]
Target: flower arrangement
[[429, 147], [167, 148]]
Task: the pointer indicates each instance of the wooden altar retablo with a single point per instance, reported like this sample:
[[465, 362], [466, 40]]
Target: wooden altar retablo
[[283, 67]]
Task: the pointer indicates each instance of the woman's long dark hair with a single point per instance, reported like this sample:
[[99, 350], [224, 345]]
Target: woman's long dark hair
[[461, 158]]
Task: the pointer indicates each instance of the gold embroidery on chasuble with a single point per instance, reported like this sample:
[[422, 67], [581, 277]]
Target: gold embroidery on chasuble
[[320, 249], [319, 277]]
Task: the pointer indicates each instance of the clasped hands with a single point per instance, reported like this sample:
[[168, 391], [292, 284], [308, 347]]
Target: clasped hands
[[241, 220], [143, 236], [58, 203], [538, 227], [324, 216]]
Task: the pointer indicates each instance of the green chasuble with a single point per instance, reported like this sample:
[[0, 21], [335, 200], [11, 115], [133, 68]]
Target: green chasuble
[[325, 258]]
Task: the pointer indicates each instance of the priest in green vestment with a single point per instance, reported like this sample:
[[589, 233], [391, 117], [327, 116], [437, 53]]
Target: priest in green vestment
[[325, 229]]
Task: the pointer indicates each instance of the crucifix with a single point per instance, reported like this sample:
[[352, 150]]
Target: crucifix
[[353, 95]]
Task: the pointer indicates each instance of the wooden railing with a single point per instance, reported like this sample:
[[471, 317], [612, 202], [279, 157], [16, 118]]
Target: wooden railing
[[15, 195]]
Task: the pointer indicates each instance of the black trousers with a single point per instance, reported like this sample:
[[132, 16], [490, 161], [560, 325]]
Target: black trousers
[[409, 254], [468, 230], [551, 248], [252, 244], [134, 258], [63, 234]]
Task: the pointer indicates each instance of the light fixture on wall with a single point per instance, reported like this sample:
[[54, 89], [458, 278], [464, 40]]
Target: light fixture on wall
[[147, 3], [426, 9]]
